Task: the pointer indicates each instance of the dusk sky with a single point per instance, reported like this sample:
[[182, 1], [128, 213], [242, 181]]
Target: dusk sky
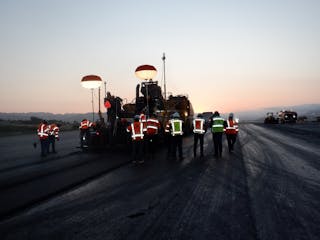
[[226, 55]]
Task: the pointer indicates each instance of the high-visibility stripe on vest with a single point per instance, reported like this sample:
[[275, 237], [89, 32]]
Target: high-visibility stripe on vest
[[217, 125], [167, 129], [85, 124], [143, 120], [137, 131], [232, 127], [153, 126], [176, 127], [43, 131], [198, 125], [54, 130]]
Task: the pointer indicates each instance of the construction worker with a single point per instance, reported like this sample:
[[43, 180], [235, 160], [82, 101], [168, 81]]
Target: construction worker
[[84, 130], [199, 129], [53, 136], [43, 133], [175, 127], [143, 120], [137, 135], [168, 138], [153, 127], [217, 129], [231, 129]]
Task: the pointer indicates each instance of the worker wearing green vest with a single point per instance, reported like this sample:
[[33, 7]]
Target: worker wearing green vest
[[217, 129], [175, 127]]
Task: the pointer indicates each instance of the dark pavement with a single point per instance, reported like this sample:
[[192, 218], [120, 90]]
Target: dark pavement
[[267, 189]]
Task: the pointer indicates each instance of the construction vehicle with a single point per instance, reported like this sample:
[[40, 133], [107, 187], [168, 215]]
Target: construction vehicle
[[287, 116], [120, 115], [271, 119], [153, 102]]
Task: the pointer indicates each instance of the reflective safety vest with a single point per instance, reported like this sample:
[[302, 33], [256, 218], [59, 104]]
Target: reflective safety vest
[[136, 130], [153, 126], [43, 131], [217, 125], [198, 126], [232, 127], [143, 120], [54, 130], [176, 127], [167, 129], [85, 124]]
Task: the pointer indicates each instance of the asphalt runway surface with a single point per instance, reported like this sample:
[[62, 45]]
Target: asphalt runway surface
[[268, 188]]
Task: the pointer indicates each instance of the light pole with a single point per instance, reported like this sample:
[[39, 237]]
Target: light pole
[[92, 82], [146, 73]]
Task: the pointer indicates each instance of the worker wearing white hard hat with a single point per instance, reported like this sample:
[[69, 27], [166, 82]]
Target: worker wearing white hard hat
[[175, 127]]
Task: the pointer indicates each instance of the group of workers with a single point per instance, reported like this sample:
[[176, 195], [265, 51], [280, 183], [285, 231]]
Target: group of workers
[[48, 134], [219, 126], [144, 134]]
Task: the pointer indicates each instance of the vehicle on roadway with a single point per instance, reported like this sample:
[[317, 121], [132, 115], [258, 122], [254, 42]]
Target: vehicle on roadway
[[287, 116], [151, 101], [271, 119]]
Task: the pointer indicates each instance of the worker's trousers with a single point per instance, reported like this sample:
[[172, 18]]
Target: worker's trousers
[[198, 137], [177, 143], [217, 143]]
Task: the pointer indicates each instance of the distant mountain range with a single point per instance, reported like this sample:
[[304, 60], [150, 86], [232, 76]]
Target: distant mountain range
[[311, 111]]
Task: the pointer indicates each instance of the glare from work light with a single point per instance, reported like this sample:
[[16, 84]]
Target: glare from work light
[[146, 72], [91, 81]]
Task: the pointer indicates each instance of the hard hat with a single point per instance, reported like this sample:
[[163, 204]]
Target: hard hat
[[136, 117], [176, 115]]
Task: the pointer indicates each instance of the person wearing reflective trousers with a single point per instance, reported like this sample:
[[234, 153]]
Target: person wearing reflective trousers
[[53, 136], [43, 133], [217, 129], [153, 126], [175, 126], [231, 130], [199, 130], [137, 135]]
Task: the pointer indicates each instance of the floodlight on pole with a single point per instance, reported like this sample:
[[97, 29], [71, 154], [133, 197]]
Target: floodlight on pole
[[91, 82], [147, 73]]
